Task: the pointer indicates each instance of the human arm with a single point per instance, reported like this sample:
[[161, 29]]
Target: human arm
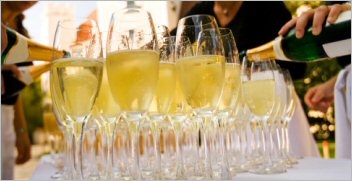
[[321, 96], [23, 144]]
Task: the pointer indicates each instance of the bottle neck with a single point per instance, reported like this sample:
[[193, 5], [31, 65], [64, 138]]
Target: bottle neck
[[22, 49], [263, 52], [30, 73]]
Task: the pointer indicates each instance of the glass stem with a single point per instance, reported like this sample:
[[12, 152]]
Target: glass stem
[[207, 128], [78, 133], [247, 149], [93, 167], [279, 138], [179, 154], [287, 139], [157, 149], [134, 128], [266, 141], [225, 172], [255, 141], [69, 161], [109, 141], [196, 144]]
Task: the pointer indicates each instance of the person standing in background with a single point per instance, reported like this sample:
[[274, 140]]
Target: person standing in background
[[13, 122]]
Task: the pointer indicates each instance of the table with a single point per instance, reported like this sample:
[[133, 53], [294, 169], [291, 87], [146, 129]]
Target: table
[[309, 168]]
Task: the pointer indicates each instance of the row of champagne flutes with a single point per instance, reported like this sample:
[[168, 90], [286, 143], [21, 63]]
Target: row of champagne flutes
[[142, 91]]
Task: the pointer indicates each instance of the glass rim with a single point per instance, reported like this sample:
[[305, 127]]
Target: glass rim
[[100, 59], [228, 31], [61, 24], [197, 15]]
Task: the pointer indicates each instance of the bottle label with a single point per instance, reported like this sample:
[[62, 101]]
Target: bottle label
[[26, 76], [338, 48], [280, 55], [344, 16], [19, 51]]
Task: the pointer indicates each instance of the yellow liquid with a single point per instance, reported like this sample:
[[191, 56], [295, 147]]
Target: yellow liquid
[[133, 77], [259, 96], [202, 80], [76, 84], [105, 102], [165, 89], [56, 99], [50, 124], [231, 87], [178, 102]]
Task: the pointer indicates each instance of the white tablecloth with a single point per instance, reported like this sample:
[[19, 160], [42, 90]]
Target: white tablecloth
[[307, 169]]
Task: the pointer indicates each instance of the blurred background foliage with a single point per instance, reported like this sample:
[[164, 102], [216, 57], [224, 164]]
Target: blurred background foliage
[[322, 124], [32, 97]]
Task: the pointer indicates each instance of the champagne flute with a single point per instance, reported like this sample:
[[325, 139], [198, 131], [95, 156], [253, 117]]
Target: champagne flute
[[66, 127], [54, 134], [287, 116], [227, 101], [91, 171], [161, 103], [274, 119], [258, 86], [76, 78], [132, 66], [161, 31], [179, 109], [107, 113], [201, 78]]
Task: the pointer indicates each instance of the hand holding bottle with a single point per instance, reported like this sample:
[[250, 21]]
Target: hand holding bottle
[[318, 16], [321, 96]]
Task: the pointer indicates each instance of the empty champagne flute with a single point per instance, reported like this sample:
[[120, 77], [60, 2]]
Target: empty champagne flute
[[287, 116], [274, 120], [76, 78], [132, 67]]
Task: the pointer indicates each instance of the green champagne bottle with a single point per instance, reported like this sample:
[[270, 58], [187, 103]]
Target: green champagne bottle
[[333, 41], [21, 49]]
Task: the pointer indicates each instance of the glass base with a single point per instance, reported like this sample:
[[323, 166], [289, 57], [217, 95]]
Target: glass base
[[57, 176], [239, 168], [268, 169]]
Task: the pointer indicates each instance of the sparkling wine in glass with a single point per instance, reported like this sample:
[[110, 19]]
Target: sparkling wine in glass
[[132, 65], [201, 77], [76, 78], [258, 86], [159, 123]]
